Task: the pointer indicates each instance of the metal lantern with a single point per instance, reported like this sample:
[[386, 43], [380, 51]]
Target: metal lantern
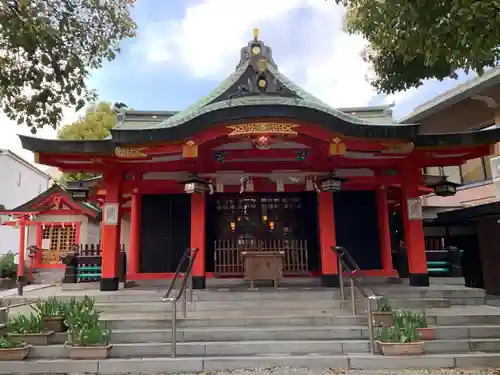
[[445, 188], [331, 183], [79, 194], [195, 184]]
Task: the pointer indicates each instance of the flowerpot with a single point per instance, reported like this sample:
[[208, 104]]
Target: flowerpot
[[54, 323], [399, 349], [15, 354], [428, 333], [88, 352], [40, 339], [383, 318]]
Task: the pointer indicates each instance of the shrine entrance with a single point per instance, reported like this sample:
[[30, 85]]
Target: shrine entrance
[[285, 222]]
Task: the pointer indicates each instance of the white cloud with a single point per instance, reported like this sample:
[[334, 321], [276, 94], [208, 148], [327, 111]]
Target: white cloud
[[10, 131], [306, 36]]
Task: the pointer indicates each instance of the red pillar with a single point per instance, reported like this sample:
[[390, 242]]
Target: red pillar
[[110, 233], [411, 211], [326, 216], [384, 231], [198, 239], [22, 251], [134, 254]]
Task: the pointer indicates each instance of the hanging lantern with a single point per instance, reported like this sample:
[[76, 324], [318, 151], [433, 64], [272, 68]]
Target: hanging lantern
[[79, 194], [445, 188], [195, 184], [331, 183]]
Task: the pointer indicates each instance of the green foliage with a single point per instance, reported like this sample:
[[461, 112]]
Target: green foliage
[[404, 318], [398, 334], [5, 343], [49, 48], [410, 41], [383, 304], [94, 125], [84, 326], [51, 307], [8, 267], [22, 324]]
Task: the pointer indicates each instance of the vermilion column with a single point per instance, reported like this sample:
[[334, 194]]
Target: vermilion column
[[110, 234], [22, 250], [413, 228], [326, 216], [198, 239], [134, 254], [384, 231]]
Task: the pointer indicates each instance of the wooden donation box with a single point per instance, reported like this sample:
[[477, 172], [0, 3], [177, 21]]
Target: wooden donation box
[[263, 265]]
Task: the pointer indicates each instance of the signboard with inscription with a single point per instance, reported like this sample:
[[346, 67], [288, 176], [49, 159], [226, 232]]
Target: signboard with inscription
[[258, 128]]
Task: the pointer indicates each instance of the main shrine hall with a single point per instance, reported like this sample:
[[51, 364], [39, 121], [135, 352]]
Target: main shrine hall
[[261, 164]]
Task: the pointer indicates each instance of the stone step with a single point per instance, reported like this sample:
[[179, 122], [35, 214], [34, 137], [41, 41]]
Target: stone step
[[235, 334], [268, 347], [161, 321], [158, 349], [136, 366], [280, 333], [246, 306]]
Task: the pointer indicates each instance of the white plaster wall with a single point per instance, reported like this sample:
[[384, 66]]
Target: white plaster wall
[[21, 182]]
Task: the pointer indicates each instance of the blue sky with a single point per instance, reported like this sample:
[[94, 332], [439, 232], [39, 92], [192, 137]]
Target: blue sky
[[185, 48]]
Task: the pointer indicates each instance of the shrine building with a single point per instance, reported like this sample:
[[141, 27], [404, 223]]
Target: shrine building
[[261, 164]]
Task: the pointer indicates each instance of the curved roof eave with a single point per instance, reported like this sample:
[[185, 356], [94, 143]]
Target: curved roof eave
[[473, 138], [261, 107], [36, 144]]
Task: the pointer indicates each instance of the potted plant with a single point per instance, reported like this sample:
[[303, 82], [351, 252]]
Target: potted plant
[[29, 329], [13, 351], [52, 312], [383, 315], [399, 341], [425, 332], [88, 337]]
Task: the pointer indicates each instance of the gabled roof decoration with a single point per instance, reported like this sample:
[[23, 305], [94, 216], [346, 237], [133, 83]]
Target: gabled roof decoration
[[33, 204]]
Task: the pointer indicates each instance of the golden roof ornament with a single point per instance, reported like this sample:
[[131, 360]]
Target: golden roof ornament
[[256, 32]]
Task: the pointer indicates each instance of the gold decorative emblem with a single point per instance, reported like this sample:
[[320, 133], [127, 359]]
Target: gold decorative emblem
[[263, 128], [398, 148], [337, 147], [256, 50], [190, 149], [262, 83], [131, 153]]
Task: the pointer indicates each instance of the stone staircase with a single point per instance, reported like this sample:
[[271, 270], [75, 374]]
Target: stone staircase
[[296, 327]]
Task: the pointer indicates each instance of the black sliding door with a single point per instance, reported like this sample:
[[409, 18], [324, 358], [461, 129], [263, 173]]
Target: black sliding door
[[165, 231], [356, 226]]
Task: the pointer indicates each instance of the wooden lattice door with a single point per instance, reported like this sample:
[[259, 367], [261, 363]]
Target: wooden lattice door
[[59, 240]]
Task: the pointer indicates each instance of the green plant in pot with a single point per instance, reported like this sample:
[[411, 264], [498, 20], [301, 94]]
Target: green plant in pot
[[52, 312], [13, 351], [88, 337], [400, 340], [425, 332], [29, 329], [383, 315]]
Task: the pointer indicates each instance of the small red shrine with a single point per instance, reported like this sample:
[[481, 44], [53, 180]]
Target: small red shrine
[[53, 222], [261, 164]]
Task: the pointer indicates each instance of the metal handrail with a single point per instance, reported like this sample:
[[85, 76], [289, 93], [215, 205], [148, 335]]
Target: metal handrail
[[184, 257], [187, 282], [371, 296]]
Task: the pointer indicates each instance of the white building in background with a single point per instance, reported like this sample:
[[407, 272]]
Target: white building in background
[[20, 181]]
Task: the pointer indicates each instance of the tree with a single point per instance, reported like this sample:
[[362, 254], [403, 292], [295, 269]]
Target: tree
[[414, 40], [94, 125], [49, 47]]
